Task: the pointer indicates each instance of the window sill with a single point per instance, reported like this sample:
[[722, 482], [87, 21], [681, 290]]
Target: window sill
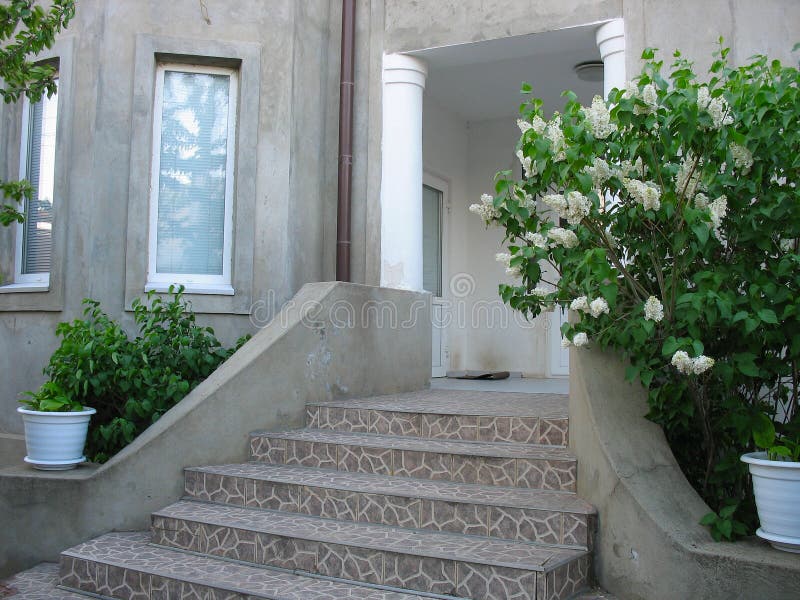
[[189, 288], [14, 288]]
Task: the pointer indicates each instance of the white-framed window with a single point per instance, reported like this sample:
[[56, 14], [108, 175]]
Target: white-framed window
[[34, 236], [191, 187]]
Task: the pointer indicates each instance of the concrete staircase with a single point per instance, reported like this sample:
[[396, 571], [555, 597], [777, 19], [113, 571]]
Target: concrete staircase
[[430, 494]]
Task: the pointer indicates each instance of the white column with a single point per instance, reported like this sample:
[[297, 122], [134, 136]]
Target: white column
[[401, 172], [610, 39]]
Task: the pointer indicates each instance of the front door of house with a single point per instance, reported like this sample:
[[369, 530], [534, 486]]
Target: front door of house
[[433, 211]]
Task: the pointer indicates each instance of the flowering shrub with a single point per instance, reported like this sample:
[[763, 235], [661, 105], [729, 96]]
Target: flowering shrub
[[667, 220]]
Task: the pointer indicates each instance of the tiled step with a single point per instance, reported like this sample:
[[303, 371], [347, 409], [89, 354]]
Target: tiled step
[[456, 415], [488, 463], [509, 513], [443, 563], [124, 565]]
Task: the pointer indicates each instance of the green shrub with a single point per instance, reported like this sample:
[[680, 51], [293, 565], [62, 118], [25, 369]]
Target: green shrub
[[131, 382], [668, 220]]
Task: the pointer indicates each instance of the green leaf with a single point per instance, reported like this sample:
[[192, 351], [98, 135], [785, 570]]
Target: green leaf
[[709, 519], [767, 315]]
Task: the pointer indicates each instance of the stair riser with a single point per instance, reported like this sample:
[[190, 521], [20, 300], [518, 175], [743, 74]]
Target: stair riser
[[509, 472], [525, 430], [130, 584], [521, 524], [468, 580]]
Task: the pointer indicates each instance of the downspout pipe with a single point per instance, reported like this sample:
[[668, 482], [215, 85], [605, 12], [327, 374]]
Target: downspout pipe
[[346, 90]]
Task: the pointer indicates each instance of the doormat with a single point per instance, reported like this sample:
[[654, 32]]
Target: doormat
[[486, 375]]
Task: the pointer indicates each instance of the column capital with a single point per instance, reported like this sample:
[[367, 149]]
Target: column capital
[[402, 68], [610, 38]]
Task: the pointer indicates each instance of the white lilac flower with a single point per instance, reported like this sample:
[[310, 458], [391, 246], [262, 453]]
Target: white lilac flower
[[538, 124], [653, 309], [703, 97], [556, 136], [540, 292], [580, 339], [557, 202], [537, 239], [701, 201], [720, 112], [565, 343], [645, 193], [626, 166], [523, 125], [598, 119], [682, 362], [563, 237], [578, 207], [718, 209], [485, 210], [599, 171], [598, 306], [505, 259], [701, 364], [650, 96], [631, 90], [527, 164], [786, 245], [742, 158], [688, 176], [581, 303]]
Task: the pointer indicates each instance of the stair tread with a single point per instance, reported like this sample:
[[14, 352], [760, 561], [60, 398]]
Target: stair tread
[[448, 491], [455, 402], [132, 551], [448, 546], [376, 440]]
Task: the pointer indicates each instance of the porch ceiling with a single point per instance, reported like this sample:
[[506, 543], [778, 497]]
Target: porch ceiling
[[481, 80]]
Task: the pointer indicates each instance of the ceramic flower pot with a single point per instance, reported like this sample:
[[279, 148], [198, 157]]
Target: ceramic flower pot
[[776, 485], [55, 440]]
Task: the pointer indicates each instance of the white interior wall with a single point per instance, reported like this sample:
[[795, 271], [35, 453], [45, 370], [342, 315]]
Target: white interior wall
[[483, 332]]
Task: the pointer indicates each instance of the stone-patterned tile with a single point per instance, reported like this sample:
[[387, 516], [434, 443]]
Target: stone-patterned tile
[[390, 510], [450, 427], [358, 459], [495, 583], [311, 454], [423, 465], [287, 553], [576, 530], [178, 533], [162, 588], [228, 542], [313, 416], [546, 474], [125, 584], [222, 489], [524, 430], [347, 562], [554, 432], [77, 573], [346, 419], [329, 503], [419, 573], [193, 482], [563, 581], [268, 450], [484, 470], [454, 516], [525, 525], [395, 423], [272, 495]]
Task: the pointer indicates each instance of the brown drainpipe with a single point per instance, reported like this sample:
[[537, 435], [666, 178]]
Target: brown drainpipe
[[346, 87]]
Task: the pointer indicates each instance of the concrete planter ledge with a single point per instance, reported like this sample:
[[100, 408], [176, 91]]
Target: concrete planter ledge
[[649, 544], [331, 341]]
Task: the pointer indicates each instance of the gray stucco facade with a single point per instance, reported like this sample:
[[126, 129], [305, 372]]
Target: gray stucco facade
[[287, 56]]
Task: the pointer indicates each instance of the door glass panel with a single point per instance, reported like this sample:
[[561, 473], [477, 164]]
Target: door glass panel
[[432, 240]]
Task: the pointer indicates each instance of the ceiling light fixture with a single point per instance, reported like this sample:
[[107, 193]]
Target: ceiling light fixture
[[589, 71]]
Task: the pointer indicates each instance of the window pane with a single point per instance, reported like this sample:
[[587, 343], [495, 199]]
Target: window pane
[[40, 171], [192, 172], [432, 240]]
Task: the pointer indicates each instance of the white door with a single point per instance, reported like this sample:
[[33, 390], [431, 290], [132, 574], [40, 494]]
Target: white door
[[559, 357], [434, 205]]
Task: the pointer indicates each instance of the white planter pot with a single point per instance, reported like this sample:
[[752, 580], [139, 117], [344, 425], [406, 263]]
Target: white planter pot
[[55, 440], [776, 485]]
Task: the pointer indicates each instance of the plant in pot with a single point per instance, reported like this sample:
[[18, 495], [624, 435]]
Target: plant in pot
[[55, 428], [776, 484]]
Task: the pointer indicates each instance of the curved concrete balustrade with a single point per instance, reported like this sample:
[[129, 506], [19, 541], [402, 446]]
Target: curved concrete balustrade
[[333, 340], [649, 544]]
